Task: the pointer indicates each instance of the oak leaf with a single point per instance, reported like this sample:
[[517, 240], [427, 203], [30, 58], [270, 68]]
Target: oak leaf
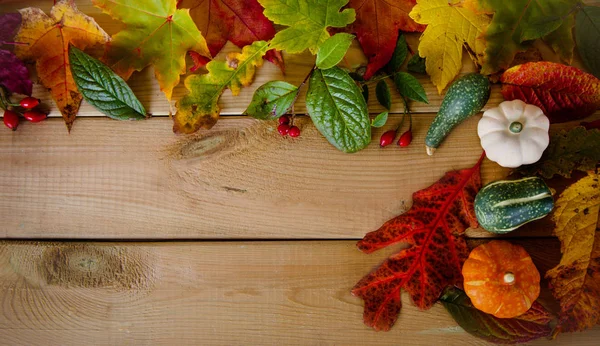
[[563, 92], [434, 227], [46, 40], [200, 107], [575, 281], [239, 21], [307, 21], [157, 34], [376, 27], [450, 27]]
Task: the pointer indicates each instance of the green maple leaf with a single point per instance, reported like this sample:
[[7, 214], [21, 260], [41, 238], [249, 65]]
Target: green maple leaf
[[308, 21], [157, 34], [517, 21], [199, 108]]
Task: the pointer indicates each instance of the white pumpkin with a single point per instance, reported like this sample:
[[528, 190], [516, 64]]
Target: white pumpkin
[[514, 133]]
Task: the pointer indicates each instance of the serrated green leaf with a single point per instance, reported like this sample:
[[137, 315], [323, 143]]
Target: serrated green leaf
[[365, 93], [333, 50], [399, 55], [416, 64], [338, 110], [409, 87], [576, 149], [307, 22], [272, 100], [380, 119], [382, 91], [104, 89], [587, 35], [531, 325]]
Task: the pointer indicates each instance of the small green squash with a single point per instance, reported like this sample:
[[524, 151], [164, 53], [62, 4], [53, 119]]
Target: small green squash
[[505, 205]]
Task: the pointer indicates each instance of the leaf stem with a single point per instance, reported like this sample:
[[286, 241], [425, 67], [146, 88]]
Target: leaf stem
[[298, 93]]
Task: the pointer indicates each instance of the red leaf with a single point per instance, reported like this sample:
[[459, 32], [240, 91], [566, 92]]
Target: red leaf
[[564, 93], [14, 74], [433, 226], [9, 25], [239, 21], [376, 26]]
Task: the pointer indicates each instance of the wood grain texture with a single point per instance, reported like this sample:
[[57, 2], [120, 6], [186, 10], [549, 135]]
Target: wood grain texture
[[234, 293]]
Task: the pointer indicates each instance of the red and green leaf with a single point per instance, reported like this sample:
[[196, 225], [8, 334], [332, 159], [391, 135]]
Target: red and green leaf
[[434, 228], [376, 27], [563, 92], [533, 324]]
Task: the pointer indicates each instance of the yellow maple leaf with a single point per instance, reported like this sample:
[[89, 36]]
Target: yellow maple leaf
[[46, 40], [450, 27], [575, 281], [200, 107]]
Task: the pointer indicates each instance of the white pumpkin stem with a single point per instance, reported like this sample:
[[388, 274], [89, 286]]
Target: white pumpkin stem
[[515, 127]]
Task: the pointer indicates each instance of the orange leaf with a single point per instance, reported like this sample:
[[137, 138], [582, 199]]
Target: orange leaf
[[47, 40]]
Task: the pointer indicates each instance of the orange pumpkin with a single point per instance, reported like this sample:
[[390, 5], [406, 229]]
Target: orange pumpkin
[[501, 279]]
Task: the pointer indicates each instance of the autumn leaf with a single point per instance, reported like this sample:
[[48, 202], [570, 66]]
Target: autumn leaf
[[561, 40], [46, 40], [239, 21], [533, 324], [13, 73], [434, 228], [564, 93], [450, 28], [376, 27], [199, 108], [575, 281], [307, 21], [156, 34], [517, 21]]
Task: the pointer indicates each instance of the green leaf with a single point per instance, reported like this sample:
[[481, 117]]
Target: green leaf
[[308, 21], [272, 100], [409, 87], [104, 89], [399, 55], [561, 40], [365, 93], [587, 35], [382, 91], [333, 50], [416, 64], [531, 325], [576, 149], [380, 119], [338, 110]]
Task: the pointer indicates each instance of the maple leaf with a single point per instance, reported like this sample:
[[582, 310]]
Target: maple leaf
[[564, 93], [13, 73], [575, 281], [239, 21], [199, 108], [450, 28], [46, 40], [157, 34], [517, 21], [307, 22], [434, 226], [561, 40], [376, 27]]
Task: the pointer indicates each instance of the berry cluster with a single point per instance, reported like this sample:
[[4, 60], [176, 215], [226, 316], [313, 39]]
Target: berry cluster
[[286, 128], [24, 108]]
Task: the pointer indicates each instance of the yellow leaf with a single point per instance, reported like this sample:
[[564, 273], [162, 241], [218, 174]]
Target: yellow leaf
[[450, 27], [199, 108], [47, 40], [575, 281]]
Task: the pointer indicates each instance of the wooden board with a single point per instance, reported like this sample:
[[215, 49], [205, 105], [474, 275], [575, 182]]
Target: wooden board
[[233, 293]]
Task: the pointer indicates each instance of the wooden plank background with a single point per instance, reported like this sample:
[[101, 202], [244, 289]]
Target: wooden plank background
[[237, 236]]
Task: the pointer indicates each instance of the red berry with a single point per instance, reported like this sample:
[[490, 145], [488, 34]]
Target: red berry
[[11, 119], [283, 129], [34, 116], [29, 102], [387, 138], [294, 131], [405, 139], [284, 119]]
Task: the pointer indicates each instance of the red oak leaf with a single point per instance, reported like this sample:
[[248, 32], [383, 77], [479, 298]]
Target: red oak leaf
[[434, 226], [376, 26], [563, 92], [239, 21]]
